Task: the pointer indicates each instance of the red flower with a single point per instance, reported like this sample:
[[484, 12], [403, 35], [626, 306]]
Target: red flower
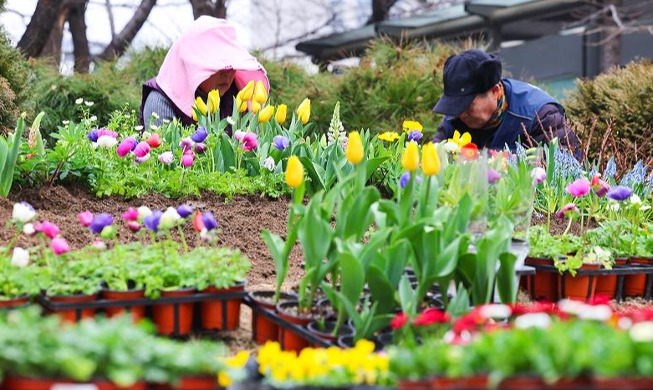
[[198, 224], [400, 320], [431, 316], [469, 151], [154, 140]]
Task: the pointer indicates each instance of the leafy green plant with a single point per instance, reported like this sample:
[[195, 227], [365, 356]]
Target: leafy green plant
[[9, 148]]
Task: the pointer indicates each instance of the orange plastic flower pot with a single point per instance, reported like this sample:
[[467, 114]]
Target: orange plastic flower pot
[[164, 314], [221, 314]]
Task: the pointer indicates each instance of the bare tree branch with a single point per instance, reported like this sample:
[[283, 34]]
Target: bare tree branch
[[36, 34], [120, 42]]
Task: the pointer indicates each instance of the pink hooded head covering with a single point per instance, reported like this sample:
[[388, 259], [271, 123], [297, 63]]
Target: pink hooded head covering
[[204, 48]]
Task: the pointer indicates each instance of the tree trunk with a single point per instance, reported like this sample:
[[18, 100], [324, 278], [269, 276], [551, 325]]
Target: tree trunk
[[77, 25], [38, 30], [611, 49], [380, 10], [217, 9], [52, 48], [120, 42]]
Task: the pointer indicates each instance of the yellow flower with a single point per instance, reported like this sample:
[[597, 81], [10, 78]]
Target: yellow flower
[[294, 172], [460, 140], [255, 107], [223, 379], [241, 104], [410, 158], [389, 136], [265, 114], [201, 106], [214, 101], [304, 110], [280, 117], [260, 93], [354, 148], [430, 160], [246, 93], [409, 126]]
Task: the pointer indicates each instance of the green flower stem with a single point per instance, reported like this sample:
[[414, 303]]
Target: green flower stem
[[183, 238]]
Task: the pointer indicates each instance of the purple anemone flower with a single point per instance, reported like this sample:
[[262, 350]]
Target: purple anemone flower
[[280, 142], [209, 221], [405, 177], [152, 221], [620, 193], [92, 135], [200, 134], [99, 222], [415, 135], [184, 210]]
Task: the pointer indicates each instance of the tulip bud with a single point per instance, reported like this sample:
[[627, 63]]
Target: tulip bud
[[410, 158], [280, 116], [430, 160], [255, 107], [265, 114], [260, 93], [247, 91], [294, 172], [304, 110], [200, 105], [354, 150], [241, 104], [214, 101]]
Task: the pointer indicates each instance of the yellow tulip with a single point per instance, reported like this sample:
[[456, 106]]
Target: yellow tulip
[[200, 105], [241, 104], [214, 101], [247, 91], [260, 93], [255, 107], [410, 159], [304, 110], [430, 160], [280, 117], [265, 114], [354, 148], [294, 172]]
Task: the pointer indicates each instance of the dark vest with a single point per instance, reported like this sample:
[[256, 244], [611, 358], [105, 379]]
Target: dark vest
[[524, 101]]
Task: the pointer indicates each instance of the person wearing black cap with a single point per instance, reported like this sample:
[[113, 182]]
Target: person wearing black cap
[[497, 112]]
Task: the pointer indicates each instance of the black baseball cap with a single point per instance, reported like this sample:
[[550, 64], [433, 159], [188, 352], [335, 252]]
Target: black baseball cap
[[465, 75]]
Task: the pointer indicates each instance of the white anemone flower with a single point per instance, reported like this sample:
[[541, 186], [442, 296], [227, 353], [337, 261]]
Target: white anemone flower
[[20, 257]]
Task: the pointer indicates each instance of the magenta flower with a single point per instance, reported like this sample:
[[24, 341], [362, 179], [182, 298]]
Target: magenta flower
[[493, 176], [134, 226], [188, 158], [85, 218], [140, 160], [105, 132], [579, 187], [142, 149], [620, 193], [48, 228], [250, 142], [126, 146], [567, 210], [130, 215], [600, 187], [59, 246]]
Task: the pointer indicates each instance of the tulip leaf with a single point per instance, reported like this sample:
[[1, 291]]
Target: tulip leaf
[[352, 276], [506, 279], [372, 164], [10, 149], [359, 216], [227, 153], [315, 172], [381, 288]]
